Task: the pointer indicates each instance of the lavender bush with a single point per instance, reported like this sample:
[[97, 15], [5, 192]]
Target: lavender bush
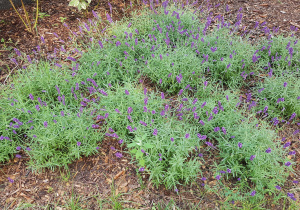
[[56, 114]]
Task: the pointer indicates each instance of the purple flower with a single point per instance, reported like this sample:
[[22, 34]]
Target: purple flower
[[291, 195], [18, 148], [278, 187], [118, 155], [287, 163], [180, 92], [228, 170], [210, 144], [172, 139], [252, 157], [162, 95], [142, 169], [126, 92], [240, 145], [187, 135], [218, 177], [28, 149], [10, 180], [45, 124], [18, 156], [284, 84], [268, 150], [216, 129], [286, 144], [292, 116], [109, 18], [203, 178], [203, 104], [292, 153], [155, 132], [129, 110], [239, 179], [224, 130], [31, 97], [37, 107], [78, 143], [253, 193]]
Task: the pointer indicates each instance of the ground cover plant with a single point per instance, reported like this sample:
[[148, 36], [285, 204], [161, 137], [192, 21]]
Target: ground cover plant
[[57, 114]]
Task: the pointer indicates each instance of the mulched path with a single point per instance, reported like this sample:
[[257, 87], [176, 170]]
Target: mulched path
[[96, 174]]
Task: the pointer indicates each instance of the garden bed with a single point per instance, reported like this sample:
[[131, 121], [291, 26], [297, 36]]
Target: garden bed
[[165, 97]]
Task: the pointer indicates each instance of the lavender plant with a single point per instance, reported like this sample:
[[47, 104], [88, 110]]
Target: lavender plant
[[279, 96], [277, 55], [57, 115]]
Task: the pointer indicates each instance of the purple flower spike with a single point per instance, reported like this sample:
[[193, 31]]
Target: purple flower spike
[[240, 145], [253, 193], [78, 143], [218, 177], [46, 124], [278, 187], [180, 92], [172, 139], [10, 180], [31, 97], [37, 107], [287, 163], [142, 169], [129, 110], [187, 135], [126, 92], [252, 157], [284, 84], [155, 132], [268, 150], [216, 129], [119, 155]]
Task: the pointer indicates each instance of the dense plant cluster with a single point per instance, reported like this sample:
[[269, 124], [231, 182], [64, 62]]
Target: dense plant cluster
[[56, 114]]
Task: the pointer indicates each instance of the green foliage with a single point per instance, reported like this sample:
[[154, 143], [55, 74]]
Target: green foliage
[[80, 4], [275, 89], [281, 54]]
